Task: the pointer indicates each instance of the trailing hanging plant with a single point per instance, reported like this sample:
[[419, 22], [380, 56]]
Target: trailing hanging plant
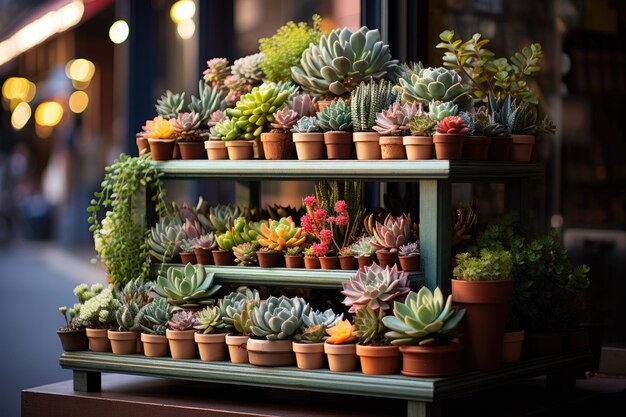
[[121, 236]]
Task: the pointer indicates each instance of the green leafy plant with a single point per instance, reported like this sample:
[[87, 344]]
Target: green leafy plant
[[370, 329], [154, 316], [490, 265], [188, 287], [209, 320], [368, 99]]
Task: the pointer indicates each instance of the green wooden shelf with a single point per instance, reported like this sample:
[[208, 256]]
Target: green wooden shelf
[[384, 170], [285, 277]]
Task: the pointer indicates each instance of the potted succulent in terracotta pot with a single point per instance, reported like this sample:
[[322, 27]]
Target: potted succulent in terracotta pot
[[308, 344], [524, 126], [203, 247], [486, 130], [374, 287], [215, 147], [294, 257], [423, 327], [278, 143], [161, 137], [180, 334], [336, 123], [279, 235], [311, 260], [190, 138], [210, 335], [347, 258], [389, 236], [187, 287], [377, 355], [309, 141], [236, 309], [340, 347], [365, 252], [513, 340], [236, 147], [246, 253], [449, 137], [186, 253], [155, 316], [133, 297], [409, 256], [98, 314], [168, 107], [193, 230], [419, 144], [392, 123], [165, 239], [72, 335], [224, 256]]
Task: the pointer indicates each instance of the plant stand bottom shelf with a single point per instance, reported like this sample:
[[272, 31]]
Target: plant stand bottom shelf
[[423, 396]]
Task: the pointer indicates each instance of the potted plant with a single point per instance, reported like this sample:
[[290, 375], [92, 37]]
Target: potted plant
[[72, 335], [203, 247], [236, 309], [133, 297], [308, 139], [277, 143], [186, 253], [340, 347], [524, 126], [419, 145], [161, 138], [389, 236], [375, 353], [308, 344], [374, 287], [365, 101], [423, 327], [435, 85], [237, 148], [193, 229], [392, 123], [483, 286], [513, 340], [336, 123], [274, 323], [486, 130], [311, 256], [246, 253], [180, 334], [409, 256], [294, 257], [210, 335], [154, 317], [449, 137], [215, 147], [347, 258], [365, 252], [98, 314], [278, 236], [165, 239], [190, 142]]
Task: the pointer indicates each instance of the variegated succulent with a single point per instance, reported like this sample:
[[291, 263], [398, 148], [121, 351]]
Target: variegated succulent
[[314, 325], [395, 120], [279, 318], [209, 320], [281, 234], [374, 287]]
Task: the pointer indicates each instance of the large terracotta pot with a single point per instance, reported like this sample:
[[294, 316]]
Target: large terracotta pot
[[311, 262], [309, 355], [72, 340], [294, 261], [410, 262], [98, 340], [512, 346], [192, 150], [387, 258], [188, 258], [431, 361], [367, 146], [391, 147], [269, 259], [239, 150], [341, 358], [237, 348], [418, 147], [348, 262], [203, 256], [338, 144], [223, 257], [500, 148], [155, 345], [216, 149], [522, 147], [379, 360], [476, 148], [212, 347], [329, 262], [263, 352], [277, 145], [143, 147], [448, 145], [486, 304], [123, 343], [543, 344], [182, 344], [309, 146], [161, 149]]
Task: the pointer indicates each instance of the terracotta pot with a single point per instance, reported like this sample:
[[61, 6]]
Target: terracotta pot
[[182, 344], [212, 347], [522, 147], [154, 345], [367, 146], [161, 149], [448, 145], [139, 345], [512, 346], [98, 340], [203, 256], [278, 145], [223, 257], [143, 147], [311, 262], [500, 148], [431, 361], [410, 262], [309, 146], [237, 348], [391, 147], [239, 150], [216, 149], [338, 144], [542, 344], [476, 148], [294, 261], [379, 360], [270, 353], [387, 258], [309, 355], [365, 261], [192, 150], [418, 147], [341, 358], [123, 343], [348, 262], [188, 258], [329, 262], [176, 151], [72, 340], [576, 339], [486, 304], [257, 148], [270, 259]]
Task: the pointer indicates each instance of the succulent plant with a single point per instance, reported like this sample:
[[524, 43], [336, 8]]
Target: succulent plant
[[490, 265], [186, 125], [158, 128], [485, 124], [226, 130], [452, 125], [279, 318], [469, 122], [341, 332], [216, 117], [306, 125], [523, 120], [438, 110], [218, 217], [314, 325], [395, 119], [303, 104], [99, 310], [374, 287], [424, 319], [438, 84], [209, 100], [422, 124], [137, 291], [170, 104], [217, 71], [242, 231], [315, 333], [409, 249], [341, 60], [464, 222], [165, 238], [185, 246], [362, 247], [281, 235], [248, 68], [154, 316], [206, 241], [246, 253], [392, 233], [127, 317], [370, 329], [209, 320], [236, 309], [188, 287], [181, 320], [368, 99], [347, 251], [335, 117], [73, 323], [193, 228], [284, 119]]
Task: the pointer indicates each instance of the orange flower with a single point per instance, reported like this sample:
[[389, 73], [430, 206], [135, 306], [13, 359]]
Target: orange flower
[[159, 128], [341, 332]]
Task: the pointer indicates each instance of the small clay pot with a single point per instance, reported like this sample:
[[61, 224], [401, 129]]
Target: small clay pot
[[476, 148], [512, 346], [338, 144], [223, 257], [216, 149], [312, 262], [270, 352], [341, 358], [176, 151], [277, 145], [418, 147], [154, 345], [309, 355], [98, 340], [367, 146], [500, 148], [448, 146], [431, 361], [188, 258], [309, 146], [182, 344], [212, 347], [410, 262], [257, 148], [294, 261], [203, 256], [161, 149], [391, 147], [143, 147], [365, 261], [73, 340], [348, 263], [239, 150], [329, 262], [123, 343], [387, 258], [379, 360], [237, 348], [269, 259], [191, 150], [522, 147]]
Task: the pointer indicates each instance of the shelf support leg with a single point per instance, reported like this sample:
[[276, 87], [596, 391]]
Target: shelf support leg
[[85, 381], [422, 409], [435, 233]]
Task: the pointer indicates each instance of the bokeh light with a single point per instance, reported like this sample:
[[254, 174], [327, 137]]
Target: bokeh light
[[182, 10], [48, 113], [78, 101], [20, 115], [186, 28], [80, 70], [119, 31]]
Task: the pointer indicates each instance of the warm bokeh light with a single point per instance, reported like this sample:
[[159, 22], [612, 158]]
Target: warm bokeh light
[[182, 10], [80, 69], [186, 28], [119, 31], [20, 115], [78, 101], [49, 113], [43, 131], [80, 85], [18, 88]]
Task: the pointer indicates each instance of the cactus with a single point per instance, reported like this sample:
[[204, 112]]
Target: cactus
[[165, 238], [154, 316], [335, 117], [303, 104], [424, 319], [395, 119], [246, 253], [281, 235], [369, 326], [374, 287], [181, 320], [341, 60], [186, 125], [279, 318], [216, 220], [452, 125], [188, 287], [209, 320], [306, 125], [392, 234], [438, 84], [409, 249], [236, 309], [367, 100], [170, 104], [285, 119], [209, 100], [342, 332], [217, 71]]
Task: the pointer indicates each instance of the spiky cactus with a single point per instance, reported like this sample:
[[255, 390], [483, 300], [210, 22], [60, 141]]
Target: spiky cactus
[[395, 120], [306, 125], [181, 320], [154, 316], [374, 287], [368, 99], [438, 84], [170, 104], [279, 318], [209, 320], [165, 238], [335, 117]]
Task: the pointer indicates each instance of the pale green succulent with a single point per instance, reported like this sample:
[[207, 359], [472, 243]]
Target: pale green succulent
[[226, 130], [335, 117], [165, 238], [440, 110], [439, 84], [422, 124], [248, 68], [424, 319], [170, 104], [279, 318], [369, 325], [314, 325], [218, 217], [188, 287], [209, 320], [341, 60], [128, 317], [236, 309], [306, 125], [374, 288], [209, 100], [362, 247], [99, 310], [367, 100], [154, 316], [133, 297]]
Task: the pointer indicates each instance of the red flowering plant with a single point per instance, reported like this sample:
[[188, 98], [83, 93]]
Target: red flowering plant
[[332, 231]]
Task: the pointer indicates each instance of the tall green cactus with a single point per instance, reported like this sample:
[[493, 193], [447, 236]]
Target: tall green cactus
[[367, 100]]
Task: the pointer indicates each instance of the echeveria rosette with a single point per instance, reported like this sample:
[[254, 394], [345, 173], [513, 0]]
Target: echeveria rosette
[[281, 234], [236, 309], [306, 125], [181, 320], [452, 125], [303, 104], [341, 333], [392, 234], [279, 318], [335, 117], [284, 119], [438, 84], [190, 287], [216, 72], [186, 124], [158, 128], [395, 120], [374, 287]]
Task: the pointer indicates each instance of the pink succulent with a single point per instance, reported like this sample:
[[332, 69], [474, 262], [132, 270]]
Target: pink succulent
[[341, 220], [319, 249], [330, 219], [310, 201], [319, 214], [325, 235], [306, 224], [341, 206], [452, 124]]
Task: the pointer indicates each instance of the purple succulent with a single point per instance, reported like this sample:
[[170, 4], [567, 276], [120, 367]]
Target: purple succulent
[[303, 104], [374, 288], [395, 120], [285, 118]]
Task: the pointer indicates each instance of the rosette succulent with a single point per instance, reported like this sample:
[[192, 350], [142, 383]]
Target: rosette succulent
[[188, 287], [154, 316], [409, 249], [158, 128], [281, 234], [306, 125], [335, 117], [438, 110], [209, 320], [170, 104], [422, 124], [303, 104], [193, 228], [342, 332], [314, 325], [248, 68], [218, 217], [362, 247], [374, 287], [370, 329], [186, 125], [165, 238], [284, 119], [485, 124], [392, 233], [438, 84], [395, 120], [452, 125], [209, 100], [206, 241], [279, 318], [181, 320], [217, 71], [246, 253], [236, 309]]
